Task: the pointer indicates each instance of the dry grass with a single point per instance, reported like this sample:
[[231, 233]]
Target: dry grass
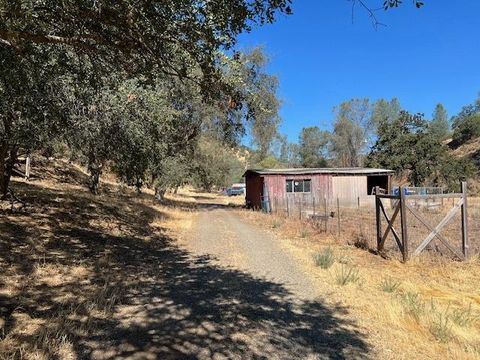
[[65, 259], [431, 309], [67, 262]]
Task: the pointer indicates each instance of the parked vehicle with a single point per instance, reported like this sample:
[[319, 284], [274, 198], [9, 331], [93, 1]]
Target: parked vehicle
[[235, 191]]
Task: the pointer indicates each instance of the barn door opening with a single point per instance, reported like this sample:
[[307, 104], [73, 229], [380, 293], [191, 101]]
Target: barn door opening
[[265, 198], [378, 180]]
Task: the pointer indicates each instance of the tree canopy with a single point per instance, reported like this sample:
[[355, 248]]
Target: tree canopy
[[178, 38], [439, 126], [406, 146], [313, 147]]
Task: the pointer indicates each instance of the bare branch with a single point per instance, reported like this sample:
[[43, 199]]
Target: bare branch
[[371, 13]]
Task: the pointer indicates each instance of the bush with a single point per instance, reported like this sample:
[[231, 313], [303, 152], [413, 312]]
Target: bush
[[347, 274], [325, 259]]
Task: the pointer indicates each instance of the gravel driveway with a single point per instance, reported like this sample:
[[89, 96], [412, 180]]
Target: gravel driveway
[[227, 290], [277, 312], [235, 243]]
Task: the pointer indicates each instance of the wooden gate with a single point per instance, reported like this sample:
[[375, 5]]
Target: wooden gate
[[402, 208]]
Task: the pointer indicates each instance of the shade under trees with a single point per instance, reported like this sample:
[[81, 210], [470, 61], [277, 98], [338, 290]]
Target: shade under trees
[[62, 62]]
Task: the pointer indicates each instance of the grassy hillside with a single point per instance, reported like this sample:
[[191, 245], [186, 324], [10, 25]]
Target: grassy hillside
[[68, 258]]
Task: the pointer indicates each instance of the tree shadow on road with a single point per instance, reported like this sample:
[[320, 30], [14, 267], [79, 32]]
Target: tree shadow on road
[[94, 293]]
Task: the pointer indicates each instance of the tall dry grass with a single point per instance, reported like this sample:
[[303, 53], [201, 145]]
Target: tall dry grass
[[428, 308], [62, 267]]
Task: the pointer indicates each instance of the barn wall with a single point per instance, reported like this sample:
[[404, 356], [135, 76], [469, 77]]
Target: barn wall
[[276, 187], [349, 188]]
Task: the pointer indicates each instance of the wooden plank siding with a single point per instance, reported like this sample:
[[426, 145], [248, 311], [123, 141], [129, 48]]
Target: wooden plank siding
[[349, 189], [321, 187]]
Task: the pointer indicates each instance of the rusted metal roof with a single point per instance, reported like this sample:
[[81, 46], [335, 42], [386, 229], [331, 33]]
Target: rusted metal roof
[[329, 171]]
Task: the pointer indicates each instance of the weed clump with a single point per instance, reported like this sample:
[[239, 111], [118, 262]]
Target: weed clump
[[413, 305], [389, 285], [276, 223], [347, 274], [324, 259], [441, 327], [463, 317]]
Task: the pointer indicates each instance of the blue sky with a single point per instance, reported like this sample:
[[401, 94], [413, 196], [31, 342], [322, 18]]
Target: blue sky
[[423, 57]]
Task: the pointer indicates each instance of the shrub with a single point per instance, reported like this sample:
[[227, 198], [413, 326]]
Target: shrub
[[347, 274], [325, 259], [361, 242], [389, 285]]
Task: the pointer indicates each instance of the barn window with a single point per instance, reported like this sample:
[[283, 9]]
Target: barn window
[[306, 185], [299, 186], [289, 186]]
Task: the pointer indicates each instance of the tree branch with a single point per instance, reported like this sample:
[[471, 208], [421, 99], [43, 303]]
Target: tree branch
[[371, 13], [10, 37]]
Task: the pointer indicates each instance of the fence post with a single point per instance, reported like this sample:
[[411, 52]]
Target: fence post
[[465, 244], [300, 201], [338, 217], [403, 218], [378, 217], [27, 167], [313, 203], [326, 213]]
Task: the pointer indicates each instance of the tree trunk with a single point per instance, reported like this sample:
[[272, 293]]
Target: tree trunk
[[95, 170], [3, 163], [7, 166], [159, 194], [138, 185]]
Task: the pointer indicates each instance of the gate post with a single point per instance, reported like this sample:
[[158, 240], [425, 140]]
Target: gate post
[[378, 217], [465, 244], [403, 218]]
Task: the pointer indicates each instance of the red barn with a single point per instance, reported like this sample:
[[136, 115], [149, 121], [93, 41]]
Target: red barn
[[270, 186]]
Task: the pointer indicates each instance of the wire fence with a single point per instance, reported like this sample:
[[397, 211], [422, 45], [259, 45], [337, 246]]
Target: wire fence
[[353, 221]]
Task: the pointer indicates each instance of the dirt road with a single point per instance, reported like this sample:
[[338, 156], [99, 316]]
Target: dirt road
[[233, 242], [272, 307], [226, 291]]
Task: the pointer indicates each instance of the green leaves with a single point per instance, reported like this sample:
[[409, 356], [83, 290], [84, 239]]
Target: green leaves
[[313, 144], [406, 146], [176, 38], [388, 4]]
